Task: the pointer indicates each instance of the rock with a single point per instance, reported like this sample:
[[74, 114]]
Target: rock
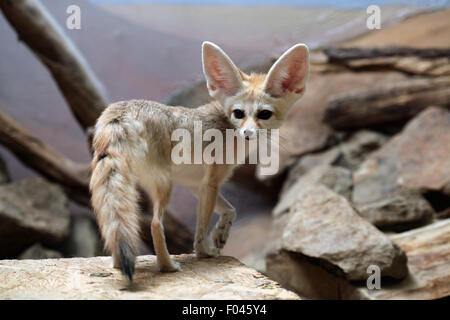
[[324, 226], [335, 178], [428, 251], [398, 210], [84, 239], [348, 154], [415, 160], [307, 163], [358, 147], [93, 278], [37, 251], [4, 176], [31, 210], [300, 274]]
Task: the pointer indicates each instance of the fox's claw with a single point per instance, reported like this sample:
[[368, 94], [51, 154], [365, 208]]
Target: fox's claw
[[219, 237], [205, 251]]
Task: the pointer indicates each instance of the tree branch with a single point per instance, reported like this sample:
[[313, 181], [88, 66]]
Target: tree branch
[[387, 104], [34, 153], [338, 54], [40, 32], [428, 62]]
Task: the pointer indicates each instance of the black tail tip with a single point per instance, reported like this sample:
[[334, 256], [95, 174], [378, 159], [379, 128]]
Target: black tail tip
[[127, 260]]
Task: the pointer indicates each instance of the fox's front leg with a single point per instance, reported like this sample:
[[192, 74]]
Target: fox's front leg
[[227, 215], [207, 196]]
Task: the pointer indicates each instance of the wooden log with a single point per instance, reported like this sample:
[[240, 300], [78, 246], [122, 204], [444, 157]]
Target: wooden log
[[40, 32], [34, 153], [338, 54], [386, 104], [428, 62]]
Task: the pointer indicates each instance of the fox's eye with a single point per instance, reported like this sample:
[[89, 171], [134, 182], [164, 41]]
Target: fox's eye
[[264, 114], [238, 114]]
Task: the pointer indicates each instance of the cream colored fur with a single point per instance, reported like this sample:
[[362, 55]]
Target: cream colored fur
[[132, 147]]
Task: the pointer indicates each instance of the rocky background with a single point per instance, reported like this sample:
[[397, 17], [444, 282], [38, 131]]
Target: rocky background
[[365, 156]]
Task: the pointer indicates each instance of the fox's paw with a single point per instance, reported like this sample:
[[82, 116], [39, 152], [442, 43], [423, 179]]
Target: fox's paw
[[206, 252], [219, 237], [173, 266]]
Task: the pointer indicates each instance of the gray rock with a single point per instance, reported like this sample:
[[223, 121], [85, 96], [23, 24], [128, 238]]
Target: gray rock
[[415, 160], [358, 147], [324, 226], [307, 163], [427, 249], [31, 210], [37, 251], [337, 179], [300, 274], [348, 154], [398, 210]]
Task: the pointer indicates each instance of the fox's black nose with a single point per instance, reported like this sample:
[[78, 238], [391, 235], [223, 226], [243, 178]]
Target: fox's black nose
[[248, 133]]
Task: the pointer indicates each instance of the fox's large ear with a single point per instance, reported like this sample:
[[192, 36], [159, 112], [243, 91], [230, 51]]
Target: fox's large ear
[[289, 73], [222, 76]]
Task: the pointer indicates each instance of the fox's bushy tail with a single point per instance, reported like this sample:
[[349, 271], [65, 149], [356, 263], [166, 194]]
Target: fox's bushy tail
[[114, 195]]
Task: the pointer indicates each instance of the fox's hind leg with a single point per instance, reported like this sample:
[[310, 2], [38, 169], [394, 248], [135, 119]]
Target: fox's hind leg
[[165, 263], [159, 188]]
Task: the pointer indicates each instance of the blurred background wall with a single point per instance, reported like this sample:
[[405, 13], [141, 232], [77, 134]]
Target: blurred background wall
[[151, 49]]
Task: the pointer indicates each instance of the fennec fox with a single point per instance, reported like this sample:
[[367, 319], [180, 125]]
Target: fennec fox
[[132, 147]]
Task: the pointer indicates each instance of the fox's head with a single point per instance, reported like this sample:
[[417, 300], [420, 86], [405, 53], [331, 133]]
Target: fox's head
[[256, 101]]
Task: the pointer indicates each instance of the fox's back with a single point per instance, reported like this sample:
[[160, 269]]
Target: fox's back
[[147, 126]]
